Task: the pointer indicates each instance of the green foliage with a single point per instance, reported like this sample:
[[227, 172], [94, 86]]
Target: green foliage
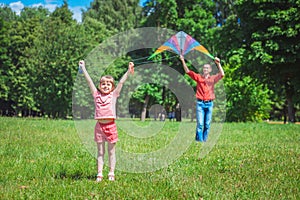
[[155, 91], [18, 73], [63, 14], [197, 19], [259, 40], [4, 59], [161, 13], [194, 17], [44, 52], [94, 30], [268, 34], [56, 51], [115, 15], [248, 100], [7, 14]]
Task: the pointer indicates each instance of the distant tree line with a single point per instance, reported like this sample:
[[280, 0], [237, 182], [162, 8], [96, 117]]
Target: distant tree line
[[258, 43]]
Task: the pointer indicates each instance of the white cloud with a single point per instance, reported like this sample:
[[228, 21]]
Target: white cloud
[[77, 13], [51, 5], [16, 7], [37, 5], [51, 1]]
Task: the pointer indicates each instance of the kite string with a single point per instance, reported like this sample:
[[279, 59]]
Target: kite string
[[139, 63], [151, 61], [140, 58]]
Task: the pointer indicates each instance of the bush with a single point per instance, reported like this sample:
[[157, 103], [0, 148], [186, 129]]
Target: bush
[[247, 100]]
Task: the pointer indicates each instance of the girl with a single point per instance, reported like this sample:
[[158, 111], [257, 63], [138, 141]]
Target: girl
[[105, 98]]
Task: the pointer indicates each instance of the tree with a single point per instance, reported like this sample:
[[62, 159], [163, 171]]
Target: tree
[[7, 14], [160, 13], [274, 45], [5, 63], [247, 98], [194, 17], [115, 15], [58, 48], [21, 32], [268, 35]]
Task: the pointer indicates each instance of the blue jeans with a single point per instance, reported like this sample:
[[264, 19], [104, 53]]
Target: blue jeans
[[204, 116]]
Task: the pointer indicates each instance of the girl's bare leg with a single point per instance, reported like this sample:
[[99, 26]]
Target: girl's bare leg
[[100, 159], [112, 160]]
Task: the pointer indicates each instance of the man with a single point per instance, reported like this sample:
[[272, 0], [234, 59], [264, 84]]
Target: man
[[205, 96]]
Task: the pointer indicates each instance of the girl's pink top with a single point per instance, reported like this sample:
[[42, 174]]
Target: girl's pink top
[[105, 105]]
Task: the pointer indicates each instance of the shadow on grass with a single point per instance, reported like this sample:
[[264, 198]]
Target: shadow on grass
[[73, 176]]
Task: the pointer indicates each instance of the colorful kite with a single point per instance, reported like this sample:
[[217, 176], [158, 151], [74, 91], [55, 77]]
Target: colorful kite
[[181, 44]]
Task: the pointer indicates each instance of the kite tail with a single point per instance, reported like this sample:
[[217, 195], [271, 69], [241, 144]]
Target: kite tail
[[211, 56], [150, 57]]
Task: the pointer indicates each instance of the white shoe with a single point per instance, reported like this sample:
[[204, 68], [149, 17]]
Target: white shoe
[[99, 177], [111, 176]]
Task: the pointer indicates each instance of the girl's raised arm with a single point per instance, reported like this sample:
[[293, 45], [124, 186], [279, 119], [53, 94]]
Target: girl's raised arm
[[125, 76], [87, 77]]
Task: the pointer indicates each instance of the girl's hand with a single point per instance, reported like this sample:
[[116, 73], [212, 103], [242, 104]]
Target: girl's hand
[[131, 68], [81, 64]]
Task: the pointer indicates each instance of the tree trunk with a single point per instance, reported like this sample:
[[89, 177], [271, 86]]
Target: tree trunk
[[291, 110], [289, 98], [144, 110]]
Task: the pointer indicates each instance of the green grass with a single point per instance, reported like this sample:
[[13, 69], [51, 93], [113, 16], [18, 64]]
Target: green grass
[[45, 159]]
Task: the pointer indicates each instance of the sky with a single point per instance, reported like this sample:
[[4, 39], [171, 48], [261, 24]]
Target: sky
[[74, 5]]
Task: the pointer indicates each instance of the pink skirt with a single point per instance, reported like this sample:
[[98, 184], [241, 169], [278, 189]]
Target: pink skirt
[[106, 132]]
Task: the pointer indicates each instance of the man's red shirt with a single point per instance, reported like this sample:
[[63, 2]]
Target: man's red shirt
[[205, 86]]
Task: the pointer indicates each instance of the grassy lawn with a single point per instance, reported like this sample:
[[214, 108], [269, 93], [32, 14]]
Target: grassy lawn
[[46, 159]]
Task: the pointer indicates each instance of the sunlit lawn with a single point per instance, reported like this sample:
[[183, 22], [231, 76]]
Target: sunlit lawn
[[46, 159]]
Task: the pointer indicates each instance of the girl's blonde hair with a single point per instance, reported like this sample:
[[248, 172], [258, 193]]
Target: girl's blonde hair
[[108, 78]]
